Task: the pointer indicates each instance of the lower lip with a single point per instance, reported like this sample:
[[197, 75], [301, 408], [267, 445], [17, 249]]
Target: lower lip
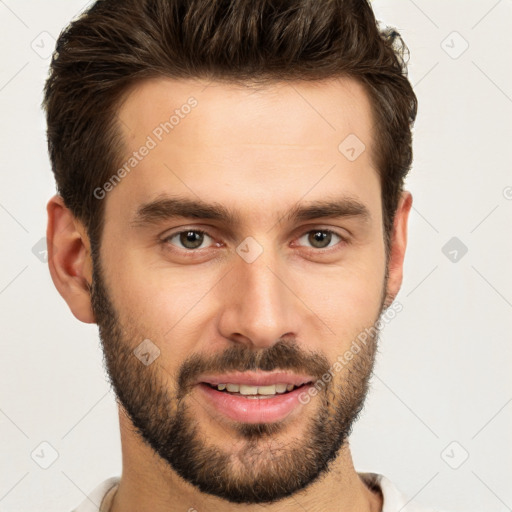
[[253, 410]]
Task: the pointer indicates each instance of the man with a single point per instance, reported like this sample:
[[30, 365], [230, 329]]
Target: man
[[231, 213]]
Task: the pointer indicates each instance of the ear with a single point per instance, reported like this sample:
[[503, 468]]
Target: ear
[[398, 245], [69, 258]]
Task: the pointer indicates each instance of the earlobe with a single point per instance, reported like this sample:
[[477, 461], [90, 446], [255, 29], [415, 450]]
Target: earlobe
[[398, 244], [69, 258]]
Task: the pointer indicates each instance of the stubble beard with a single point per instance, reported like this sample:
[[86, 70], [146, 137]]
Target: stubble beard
[[267, 468]]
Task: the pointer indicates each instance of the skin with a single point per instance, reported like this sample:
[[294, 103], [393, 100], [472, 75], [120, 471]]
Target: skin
[[260, 152]]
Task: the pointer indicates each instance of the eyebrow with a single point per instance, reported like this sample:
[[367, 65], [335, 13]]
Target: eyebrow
[[166, 208]]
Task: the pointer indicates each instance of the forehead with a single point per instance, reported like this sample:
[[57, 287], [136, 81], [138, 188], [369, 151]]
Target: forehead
[[249, 113], [245, 145]]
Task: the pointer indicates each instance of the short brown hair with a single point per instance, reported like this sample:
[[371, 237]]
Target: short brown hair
[[116, 43]]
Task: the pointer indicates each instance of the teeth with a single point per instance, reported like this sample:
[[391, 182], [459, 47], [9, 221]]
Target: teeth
[[267, 390], [280, 388], [243, 389], [248, 390]]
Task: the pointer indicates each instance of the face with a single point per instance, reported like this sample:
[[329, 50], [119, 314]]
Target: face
[[242, 256]]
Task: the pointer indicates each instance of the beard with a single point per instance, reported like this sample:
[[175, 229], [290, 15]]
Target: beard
[[262, 470]]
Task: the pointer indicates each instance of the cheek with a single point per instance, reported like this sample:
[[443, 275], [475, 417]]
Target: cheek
[[348, 297], [166, 305]]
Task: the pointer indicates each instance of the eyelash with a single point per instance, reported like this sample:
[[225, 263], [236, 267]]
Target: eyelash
[[166, 240]]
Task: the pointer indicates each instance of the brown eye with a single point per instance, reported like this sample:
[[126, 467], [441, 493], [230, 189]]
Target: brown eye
[[320, 238], [189, 239]]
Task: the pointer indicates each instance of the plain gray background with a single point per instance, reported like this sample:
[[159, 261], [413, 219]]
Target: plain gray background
[[436, 419]]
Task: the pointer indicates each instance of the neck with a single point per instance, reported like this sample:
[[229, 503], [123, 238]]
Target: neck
[[148, 484]]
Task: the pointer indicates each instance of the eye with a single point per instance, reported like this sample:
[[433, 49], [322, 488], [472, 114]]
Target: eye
[[190, 239], [320, 238]]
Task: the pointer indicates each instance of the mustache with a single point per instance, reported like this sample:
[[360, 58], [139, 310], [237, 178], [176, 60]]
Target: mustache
[[283, 355]]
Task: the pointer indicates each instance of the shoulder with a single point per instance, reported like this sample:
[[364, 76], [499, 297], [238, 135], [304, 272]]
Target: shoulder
[[393, 499], [93, 502]]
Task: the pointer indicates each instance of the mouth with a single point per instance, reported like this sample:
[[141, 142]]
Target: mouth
[[253, 397], [255, 391]]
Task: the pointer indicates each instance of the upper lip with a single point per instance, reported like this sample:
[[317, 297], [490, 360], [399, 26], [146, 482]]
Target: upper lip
[[256, 378]]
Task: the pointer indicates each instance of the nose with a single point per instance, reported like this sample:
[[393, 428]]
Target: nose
[[258, 303]]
